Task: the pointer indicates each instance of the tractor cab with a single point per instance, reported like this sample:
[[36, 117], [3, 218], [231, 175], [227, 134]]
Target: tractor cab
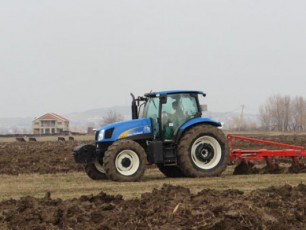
[[169, 110]]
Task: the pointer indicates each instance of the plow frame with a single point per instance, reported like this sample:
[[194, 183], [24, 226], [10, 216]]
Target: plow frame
[[260, 154]]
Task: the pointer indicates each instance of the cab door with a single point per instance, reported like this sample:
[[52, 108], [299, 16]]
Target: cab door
[[177, 110]]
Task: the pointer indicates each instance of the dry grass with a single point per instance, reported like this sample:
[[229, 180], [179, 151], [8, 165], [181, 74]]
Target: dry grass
[[72, 185]]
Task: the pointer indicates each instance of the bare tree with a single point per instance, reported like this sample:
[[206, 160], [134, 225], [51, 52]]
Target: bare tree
[[265, 117], [298, 114], [111, 116], [275, 113], [286, 111], [281, 113], [238, 123]]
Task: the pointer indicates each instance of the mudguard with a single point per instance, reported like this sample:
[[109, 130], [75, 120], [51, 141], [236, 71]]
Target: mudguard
[[199, 120], [195, 121]]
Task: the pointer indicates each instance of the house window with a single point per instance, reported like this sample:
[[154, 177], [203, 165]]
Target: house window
[[47, 123], [36, 131]]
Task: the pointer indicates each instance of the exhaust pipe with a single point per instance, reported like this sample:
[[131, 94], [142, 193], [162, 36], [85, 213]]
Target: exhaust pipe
[[134, 108]]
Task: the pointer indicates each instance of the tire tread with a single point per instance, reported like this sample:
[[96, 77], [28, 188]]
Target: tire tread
[[185, 162]]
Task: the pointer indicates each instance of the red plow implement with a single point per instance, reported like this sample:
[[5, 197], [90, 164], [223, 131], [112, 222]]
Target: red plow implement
[[244, 158]]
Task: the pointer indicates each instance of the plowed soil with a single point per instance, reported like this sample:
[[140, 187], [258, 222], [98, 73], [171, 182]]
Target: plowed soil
[[166, 207], [171, 207], [37, 157], [54, 157]]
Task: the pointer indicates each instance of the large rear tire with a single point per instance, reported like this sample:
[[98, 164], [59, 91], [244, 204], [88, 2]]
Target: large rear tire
[[95, 170], [203, 151], [171, 171], [125, 161]]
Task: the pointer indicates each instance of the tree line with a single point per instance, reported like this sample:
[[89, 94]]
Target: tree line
[[283, 113]]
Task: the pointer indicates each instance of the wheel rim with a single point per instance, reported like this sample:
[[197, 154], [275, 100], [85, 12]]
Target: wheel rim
[[127, 162], [99, 166], [206, 152]]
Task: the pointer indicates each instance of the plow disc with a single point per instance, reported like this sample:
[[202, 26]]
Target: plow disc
[[245, 167], [244, 159]]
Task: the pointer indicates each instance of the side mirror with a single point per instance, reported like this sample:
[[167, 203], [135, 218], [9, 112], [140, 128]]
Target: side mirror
[[203, 108]]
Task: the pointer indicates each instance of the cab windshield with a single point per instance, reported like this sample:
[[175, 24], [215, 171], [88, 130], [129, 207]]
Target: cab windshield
[[151, 108]]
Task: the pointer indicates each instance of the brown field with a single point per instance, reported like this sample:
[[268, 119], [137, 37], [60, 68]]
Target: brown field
[[42, 188], [47, 138]]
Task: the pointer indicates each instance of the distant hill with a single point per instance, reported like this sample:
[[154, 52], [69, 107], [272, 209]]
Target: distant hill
[[80, 121], [15, 125], [125, 110], [225, 118]]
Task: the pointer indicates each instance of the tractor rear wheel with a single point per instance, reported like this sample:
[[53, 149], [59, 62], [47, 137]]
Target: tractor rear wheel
[[95, 170], [203, 151], [171, 171], [125, 161]]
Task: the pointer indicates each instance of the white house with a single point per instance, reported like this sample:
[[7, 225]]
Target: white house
[[50, 123]]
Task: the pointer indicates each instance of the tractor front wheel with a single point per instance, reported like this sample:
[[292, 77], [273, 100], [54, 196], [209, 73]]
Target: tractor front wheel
[[203, 151], [95, 170], [125, 161]]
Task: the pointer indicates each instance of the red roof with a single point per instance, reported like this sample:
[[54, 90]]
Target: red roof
[[51, 116]]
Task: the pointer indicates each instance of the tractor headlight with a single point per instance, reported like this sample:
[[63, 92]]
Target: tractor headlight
[[101, 135]]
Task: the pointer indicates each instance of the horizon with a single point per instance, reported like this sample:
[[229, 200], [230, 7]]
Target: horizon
[[80, 120]]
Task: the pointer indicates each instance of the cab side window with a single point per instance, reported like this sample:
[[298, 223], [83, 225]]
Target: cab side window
[[178, 110], [189, 106]]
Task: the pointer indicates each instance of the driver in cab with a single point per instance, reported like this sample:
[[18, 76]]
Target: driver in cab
[[177, 110]]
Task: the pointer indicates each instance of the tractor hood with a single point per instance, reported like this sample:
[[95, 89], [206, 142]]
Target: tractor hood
[[132, 129]]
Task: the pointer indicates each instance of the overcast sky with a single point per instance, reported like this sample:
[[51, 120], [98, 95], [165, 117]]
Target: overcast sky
[[67, 56]]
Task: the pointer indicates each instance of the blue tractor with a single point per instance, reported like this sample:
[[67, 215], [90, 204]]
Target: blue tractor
[[167, 129]]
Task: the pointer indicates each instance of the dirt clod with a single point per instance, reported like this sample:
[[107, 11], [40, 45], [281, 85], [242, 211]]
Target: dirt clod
[[170, 207], [37, 157]]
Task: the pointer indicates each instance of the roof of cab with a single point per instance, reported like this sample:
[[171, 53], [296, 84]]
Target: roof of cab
[[154, 94]]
